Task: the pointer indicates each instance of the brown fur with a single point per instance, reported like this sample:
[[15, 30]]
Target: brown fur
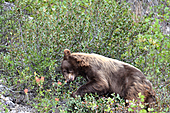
[[106, 75]]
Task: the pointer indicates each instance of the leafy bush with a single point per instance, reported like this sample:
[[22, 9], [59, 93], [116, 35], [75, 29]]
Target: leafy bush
[[35, 33]]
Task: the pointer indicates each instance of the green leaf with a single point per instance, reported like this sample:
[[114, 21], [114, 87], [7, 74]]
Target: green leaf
[[141, 105], [143, 111], [150, 109], [130, 109]]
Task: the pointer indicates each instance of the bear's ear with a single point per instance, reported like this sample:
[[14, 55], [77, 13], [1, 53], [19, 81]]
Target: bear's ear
[[67, 53]]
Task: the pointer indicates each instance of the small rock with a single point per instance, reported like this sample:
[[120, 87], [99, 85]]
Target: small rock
[[10, 104]]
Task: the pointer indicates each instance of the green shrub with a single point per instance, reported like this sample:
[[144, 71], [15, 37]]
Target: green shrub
[[34, 48]]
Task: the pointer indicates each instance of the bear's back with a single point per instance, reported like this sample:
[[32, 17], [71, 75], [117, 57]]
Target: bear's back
[[96, 59]]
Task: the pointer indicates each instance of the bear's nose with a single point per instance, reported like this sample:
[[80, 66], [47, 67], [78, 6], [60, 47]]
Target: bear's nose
[[70, 78]]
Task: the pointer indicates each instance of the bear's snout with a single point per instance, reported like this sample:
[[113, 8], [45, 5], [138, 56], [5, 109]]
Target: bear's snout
[[70, 78]]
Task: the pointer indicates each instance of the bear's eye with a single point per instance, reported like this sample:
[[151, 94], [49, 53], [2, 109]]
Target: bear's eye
[[64, 71], [71, 71]]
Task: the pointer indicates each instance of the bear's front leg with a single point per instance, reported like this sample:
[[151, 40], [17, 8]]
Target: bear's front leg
[[99, 87]]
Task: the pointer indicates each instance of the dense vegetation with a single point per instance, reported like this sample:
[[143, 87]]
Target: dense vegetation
[[35, 33]]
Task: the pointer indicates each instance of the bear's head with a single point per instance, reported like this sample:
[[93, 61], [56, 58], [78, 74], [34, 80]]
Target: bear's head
[[69, 66]]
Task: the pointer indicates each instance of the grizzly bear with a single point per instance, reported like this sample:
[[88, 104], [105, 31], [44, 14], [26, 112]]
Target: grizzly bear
[[106, 76]]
